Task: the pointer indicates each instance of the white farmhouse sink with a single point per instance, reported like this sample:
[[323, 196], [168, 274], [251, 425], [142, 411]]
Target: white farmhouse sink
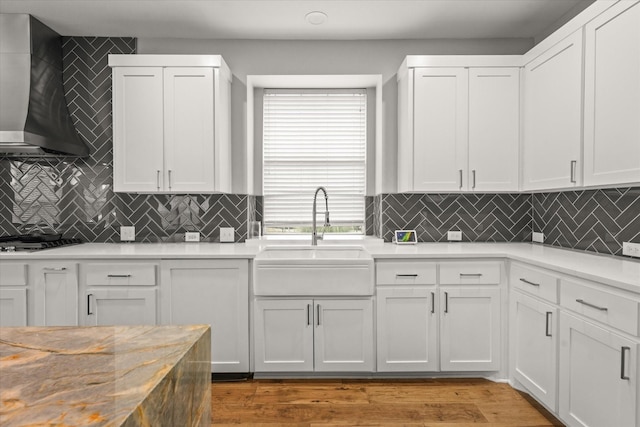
[[313, 271]]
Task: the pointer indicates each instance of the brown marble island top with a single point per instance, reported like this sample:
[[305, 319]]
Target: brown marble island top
[[105, 376]]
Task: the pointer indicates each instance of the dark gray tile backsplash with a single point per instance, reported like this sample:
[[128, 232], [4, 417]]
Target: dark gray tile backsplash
[[75, 196], [480, 217], [590, 220]]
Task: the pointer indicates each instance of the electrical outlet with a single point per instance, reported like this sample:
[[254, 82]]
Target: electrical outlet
[[127, 233], [454, 235], [537, 237], [192, 236], [631, 249], [227, 234]]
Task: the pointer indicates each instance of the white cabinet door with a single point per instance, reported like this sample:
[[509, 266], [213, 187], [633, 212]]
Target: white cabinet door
[[470, 329], [533, 327], [407, 329], [213, 292], [13, 307], [440, 129], [598, 376], [343, 336], [120, 306], [612, 96], [552, 117], [283, 335], [138, 129], [55, 293], [189, 133], [494, 129]]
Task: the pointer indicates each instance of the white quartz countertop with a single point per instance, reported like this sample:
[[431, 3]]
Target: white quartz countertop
[[623, 273], [141, 251]]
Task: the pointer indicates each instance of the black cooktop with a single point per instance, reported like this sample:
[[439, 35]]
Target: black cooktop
[[34, 242]]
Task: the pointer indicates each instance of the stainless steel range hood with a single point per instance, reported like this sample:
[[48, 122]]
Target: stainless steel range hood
[[34, 118]]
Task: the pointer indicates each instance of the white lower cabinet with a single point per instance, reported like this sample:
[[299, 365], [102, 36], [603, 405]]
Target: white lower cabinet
[[13, 307], [470, 329], [305, 335], [212, 292], [55, 288], [407, 329], [598, 375], [533, 326], [121, 306], [119, 292], [13, 294]]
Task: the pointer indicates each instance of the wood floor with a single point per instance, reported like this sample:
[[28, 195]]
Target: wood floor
[[442, 403]]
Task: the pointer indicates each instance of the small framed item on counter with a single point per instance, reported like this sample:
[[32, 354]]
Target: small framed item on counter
[[405, 237]]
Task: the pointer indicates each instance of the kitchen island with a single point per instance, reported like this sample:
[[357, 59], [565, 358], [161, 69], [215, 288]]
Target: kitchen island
[[109, 375]]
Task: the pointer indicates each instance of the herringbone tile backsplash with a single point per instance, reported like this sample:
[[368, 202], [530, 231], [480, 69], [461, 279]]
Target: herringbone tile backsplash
[[590, 220], [75, 196], [481, 218]]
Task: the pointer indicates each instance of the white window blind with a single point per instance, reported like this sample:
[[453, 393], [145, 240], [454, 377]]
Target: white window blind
[[314, 138]]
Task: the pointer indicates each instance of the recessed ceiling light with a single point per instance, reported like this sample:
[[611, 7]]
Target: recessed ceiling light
[[316, 18]]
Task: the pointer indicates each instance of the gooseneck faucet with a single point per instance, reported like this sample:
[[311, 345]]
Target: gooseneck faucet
[[314, 232]]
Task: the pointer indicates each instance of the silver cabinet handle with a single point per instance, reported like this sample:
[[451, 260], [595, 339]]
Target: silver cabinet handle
[[623, 362], [473, 173], [89, 312], [470, 274], [118, 275], [588, 304], [308, 314], [55, 269], [528, 282], [573, 171], [406, 275], [460, 172], [548, 323], [169, 173], [318, 310], [446, 302], [158, 179], [433, 302]]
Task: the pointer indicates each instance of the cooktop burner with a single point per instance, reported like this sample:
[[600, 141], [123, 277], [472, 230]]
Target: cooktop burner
[[34, 242]]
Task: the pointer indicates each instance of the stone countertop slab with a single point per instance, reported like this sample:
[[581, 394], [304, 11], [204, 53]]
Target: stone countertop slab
[[105, 376]]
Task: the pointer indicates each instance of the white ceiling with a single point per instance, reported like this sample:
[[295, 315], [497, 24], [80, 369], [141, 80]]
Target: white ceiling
[[284, 19]]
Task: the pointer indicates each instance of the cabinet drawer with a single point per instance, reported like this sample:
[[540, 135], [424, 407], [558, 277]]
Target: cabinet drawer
[[534, 281], [120, 274], [462, 273], [611, 309], [405, 273], [13, 274]]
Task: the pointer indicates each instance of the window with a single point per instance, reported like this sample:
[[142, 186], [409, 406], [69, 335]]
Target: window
[[314, 138]]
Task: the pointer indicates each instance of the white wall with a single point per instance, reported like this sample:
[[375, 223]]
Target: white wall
[[272, 57]]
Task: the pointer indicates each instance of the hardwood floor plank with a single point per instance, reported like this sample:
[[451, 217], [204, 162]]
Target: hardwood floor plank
[[355, 413], [412, 403], [336, 393]]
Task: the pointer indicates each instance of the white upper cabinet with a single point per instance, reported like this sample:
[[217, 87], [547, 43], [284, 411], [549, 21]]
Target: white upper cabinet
[[494, 129], [552, 117], [458, 125], [440, 129], [138, 117], [612, 96], [171, 123], [189, 129]]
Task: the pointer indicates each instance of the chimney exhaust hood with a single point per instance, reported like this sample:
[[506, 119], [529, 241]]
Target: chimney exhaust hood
[[34, 118]]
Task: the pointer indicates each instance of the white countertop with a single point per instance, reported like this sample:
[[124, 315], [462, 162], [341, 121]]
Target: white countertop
[[620, 272], [140, 251]]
